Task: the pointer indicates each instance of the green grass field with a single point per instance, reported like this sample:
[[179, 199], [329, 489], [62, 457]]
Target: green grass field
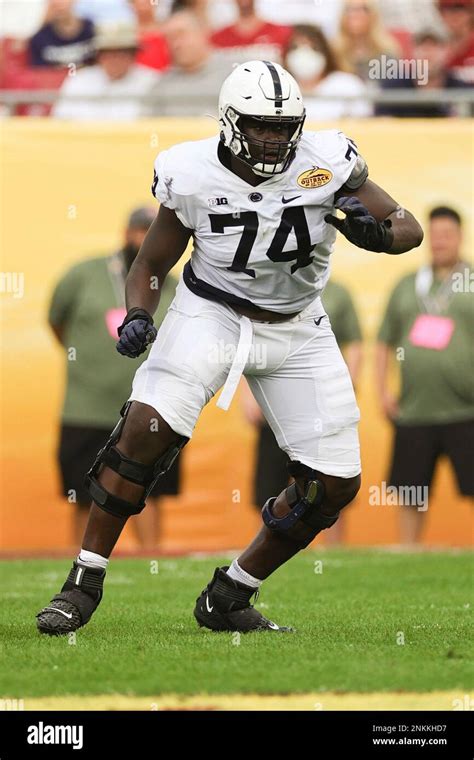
[[371, 621]]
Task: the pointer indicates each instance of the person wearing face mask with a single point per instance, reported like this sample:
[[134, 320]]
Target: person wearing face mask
[[322, 81], [87, 306]]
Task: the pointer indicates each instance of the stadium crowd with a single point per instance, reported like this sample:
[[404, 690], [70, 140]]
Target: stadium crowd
[[123, 59]]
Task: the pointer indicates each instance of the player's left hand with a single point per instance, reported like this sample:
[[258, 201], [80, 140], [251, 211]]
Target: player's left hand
[[360, 227], [136, 333]]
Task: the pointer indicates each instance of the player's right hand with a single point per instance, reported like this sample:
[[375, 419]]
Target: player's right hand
[[136, 333]]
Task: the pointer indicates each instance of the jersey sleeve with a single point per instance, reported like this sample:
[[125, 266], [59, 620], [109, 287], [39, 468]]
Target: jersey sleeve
[[165, 188], [348, 167]]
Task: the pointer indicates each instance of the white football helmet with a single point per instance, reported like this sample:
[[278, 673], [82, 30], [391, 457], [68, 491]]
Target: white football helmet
[[265, 92]]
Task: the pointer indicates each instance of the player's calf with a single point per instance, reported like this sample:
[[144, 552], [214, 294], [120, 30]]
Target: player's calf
[[133, 473], [292, 520], [141, 469], [309, 505]]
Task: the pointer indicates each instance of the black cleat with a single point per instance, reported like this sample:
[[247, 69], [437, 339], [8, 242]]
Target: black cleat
[[224, 605], [73, 606]]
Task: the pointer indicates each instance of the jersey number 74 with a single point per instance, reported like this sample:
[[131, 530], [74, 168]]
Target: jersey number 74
[[291, 219]]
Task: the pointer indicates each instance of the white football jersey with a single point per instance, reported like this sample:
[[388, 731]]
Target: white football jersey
[[269, 244]]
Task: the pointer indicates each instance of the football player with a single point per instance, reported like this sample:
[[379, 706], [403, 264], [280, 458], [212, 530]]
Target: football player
[[259, 201]]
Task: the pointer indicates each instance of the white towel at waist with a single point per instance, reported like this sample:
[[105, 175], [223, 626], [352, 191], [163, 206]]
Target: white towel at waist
[[238, 364]]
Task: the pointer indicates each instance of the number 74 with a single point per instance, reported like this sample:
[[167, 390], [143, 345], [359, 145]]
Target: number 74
[[291, 219]]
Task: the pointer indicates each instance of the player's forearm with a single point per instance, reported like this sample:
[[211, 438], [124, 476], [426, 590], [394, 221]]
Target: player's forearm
[[143, 286], [407, 232], [375, 221], [164, 244]]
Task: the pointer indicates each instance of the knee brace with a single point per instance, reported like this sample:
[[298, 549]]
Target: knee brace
[[145, 475], [305, 519]]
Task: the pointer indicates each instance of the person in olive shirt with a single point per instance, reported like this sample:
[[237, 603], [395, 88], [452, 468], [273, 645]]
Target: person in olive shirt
[[428, 323], [87, 306], [270, 473]]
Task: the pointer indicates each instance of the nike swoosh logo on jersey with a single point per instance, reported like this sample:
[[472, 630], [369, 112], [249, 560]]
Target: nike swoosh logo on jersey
[[209, 609], [317, 322], [288, 200], [55, 609]]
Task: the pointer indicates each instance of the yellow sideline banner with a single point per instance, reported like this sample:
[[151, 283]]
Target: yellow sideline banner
[[66, 190]]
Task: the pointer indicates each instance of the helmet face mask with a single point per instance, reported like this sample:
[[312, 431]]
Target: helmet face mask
[[261, 93], [265, 157]]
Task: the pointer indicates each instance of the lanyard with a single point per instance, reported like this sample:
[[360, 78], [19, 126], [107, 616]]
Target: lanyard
[[118, 274], [437, 302]]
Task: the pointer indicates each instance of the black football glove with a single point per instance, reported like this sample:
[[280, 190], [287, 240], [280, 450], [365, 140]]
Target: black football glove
[[136, 333], [360, 227]]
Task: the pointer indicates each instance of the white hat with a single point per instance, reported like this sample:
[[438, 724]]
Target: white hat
[[116, 37]]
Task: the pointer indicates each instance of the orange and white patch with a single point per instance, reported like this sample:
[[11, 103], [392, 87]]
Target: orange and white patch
[[314, 178]]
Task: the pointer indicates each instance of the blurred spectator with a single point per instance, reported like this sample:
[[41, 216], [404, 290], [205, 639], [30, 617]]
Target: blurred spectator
[[325, 14], [413, 16], [316, 69], [87, 306], [428, 325], [430, 50], [19, 20], [217, 14], [105, 11], [13, 57], [214, 14], [251, 37], [362, 37], [193, 82], [458, 15], [270, 473], [200, 8], [153, 51], [114, 89], [63, 39]]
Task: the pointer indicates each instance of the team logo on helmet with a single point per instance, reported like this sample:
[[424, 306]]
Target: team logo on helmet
[[315, 177]]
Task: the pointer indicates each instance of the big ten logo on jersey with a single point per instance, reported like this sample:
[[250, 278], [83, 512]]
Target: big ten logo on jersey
[[217, 201]]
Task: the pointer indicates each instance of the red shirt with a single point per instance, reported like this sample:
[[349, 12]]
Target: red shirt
[[267, 34], [153, 51], [461, 62]]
